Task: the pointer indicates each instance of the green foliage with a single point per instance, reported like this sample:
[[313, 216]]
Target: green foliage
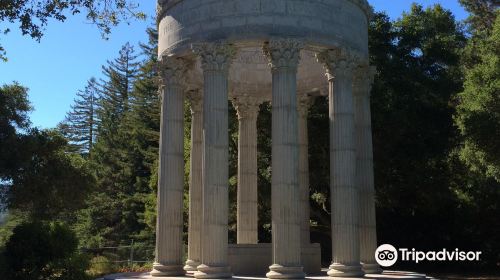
[[14, 110], [100, 265], [33, 16], [43, 251], [478, 114], [49, 183], [124, 152], [482, 14], [80, 124]]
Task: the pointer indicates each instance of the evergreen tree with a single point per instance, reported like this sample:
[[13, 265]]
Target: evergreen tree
[[142, 126], [478, 115], [80, 124], [482, 14], [107, 219]]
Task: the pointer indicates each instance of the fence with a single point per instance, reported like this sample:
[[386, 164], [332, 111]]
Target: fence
[[124, 255]]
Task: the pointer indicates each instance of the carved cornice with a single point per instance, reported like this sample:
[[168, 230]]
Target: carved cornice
[[162, 7], [338, 62], [247, 107], [216, 56], [173, 70], [283, 53]]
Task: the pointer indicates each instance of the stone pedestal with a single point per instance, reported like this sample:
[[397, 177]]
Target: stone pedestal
[[247, 199], [195, 183], [304, 102], [344, 192], [215, 60], [168, 261], [284, 56], [364, 168]]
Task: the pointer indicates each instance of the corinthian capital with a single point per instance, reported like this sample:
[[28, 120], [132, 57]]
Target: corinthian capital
[[196, 101], [363, 79], [338, 61], [215, 56], [247, 107], [303, 104], [283, 53], [173, 70]]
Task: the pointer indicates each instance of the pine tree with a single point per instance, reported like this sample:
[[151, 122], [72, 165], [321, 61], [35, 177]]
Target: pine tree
[[80, 124], [142, 125], [110, 217]]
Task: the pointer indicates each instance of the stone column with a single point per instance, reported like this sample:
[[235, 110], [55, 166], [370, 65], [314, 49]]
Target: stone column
[[169, 245], [344, 191], [364, 168], [195, 182], [284, 56], [304, 102], [215, 61], [247, 205]]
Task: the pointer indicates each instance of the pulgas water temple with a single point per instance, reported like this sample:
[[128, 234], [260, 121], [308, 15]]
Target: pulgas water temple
[[253, 51]]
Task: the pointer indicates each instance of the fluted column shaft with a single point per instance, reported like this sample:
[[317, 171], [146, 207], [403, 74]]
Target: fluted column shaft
[[364, 168], [195, 183], [344, 192], [247, 204], [303, 110], [284, 56], [215, 59], [169, 223]]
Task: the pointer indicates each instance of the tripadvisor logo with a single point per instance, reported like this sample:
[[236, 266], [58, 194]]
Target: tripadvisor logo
[[387, 255]]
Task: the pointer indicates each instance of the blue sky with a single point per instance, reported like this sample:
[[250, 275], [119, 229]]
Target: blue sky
[[72, 52]]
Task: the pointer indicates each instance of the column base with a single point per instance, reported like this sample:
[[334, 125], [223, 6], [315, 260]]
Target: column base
[[166, 270], [191, 266], [212, 272], [285, 272], [371, 268], [341, 270]]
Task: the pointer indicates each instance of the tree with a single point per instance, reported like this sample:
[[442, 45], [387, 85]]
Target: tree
[[14, 110], [48, 183], [482, 14], [43, 251], [418, 63], [80, 124], [33, 16], [478, 113], [115, 209]]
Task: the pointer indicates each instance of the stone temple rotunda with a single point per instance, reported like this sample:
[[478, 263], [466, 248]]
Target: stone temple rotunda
[[249, 52]]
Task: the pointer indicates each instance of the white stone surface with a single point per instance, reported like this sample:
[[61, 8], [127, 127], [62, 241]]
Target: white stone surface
[[216, 59], [364, 168], [316, 22], [208, 32], [195, 182], [343, 184], [387, 275], [284, 56], [247, 197], [169, 222], [304, 102]]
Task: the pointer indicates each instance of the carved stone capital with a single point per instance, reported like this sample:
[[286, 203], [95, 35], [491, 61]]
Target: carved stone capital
[[173, 70], [247, 107], [338, 62], [303, 104], [215, 56], [195, 101], [283, 53], [364, 76]]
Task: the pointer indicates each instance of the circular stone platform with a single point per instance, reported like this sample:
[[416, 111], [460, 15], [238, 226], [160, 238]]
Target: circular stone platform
[[387, 275]]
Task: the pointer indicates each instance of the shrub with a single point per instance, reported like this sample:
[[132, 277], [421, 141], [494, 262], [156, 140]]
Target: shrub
[[101, 265], [43, 251]]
